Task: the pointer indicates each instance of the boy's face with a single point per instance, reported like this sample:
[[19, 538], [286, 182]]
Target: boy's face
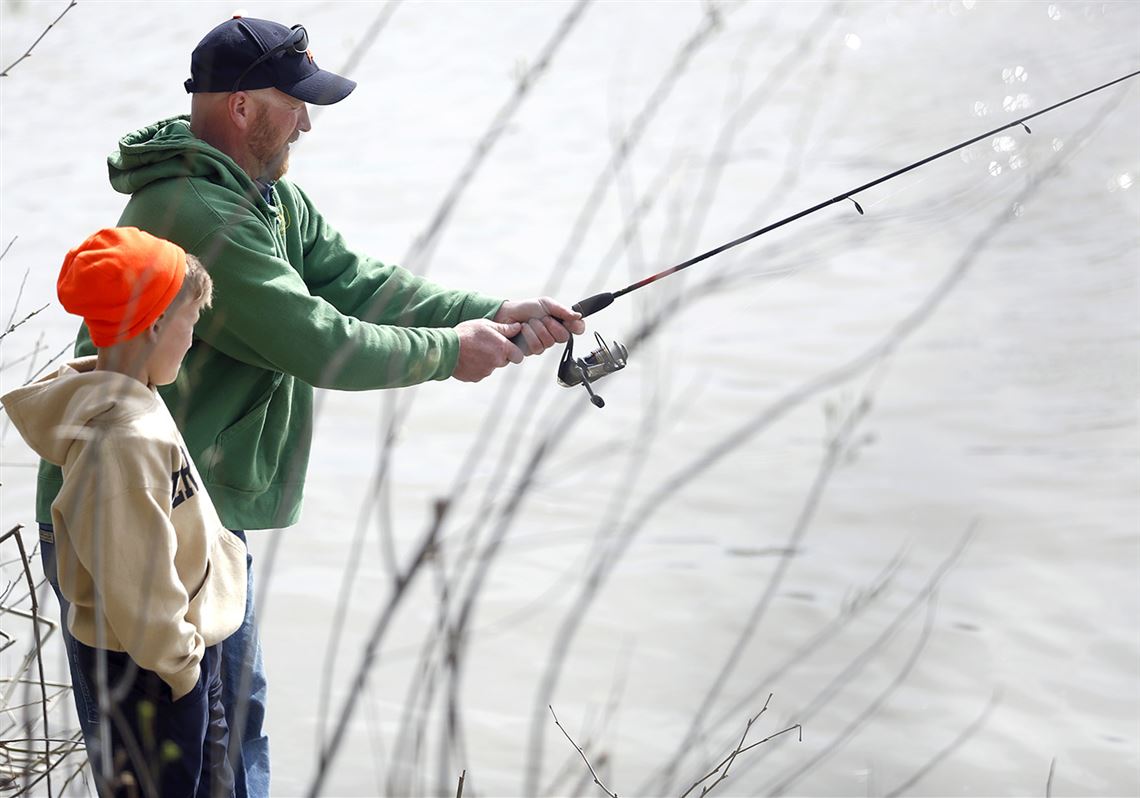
[[174, 334]]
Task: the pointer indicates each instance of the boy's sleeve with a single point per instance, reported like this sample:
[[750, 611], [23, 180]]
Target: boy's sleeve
[[127, 543]]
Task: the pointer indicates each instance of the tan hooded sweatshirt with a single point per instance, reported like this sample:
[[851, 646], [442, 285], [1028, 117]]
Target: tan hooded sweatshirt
[[142, 556]]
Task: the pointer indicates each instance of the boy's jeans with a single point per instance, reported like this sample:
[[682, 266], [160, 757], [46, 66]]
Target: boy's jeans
[[152, 745], [241, 659]]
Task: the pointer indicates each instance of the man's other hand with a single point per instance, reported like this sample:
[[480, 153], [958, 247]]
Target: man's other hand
[[484, 346]]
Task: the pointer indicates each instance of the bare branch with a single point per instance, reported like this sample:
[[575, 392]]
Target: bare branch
[[20, 293], [721, 770], [28, 54], [50, 361], [12, 327], [582, 753]]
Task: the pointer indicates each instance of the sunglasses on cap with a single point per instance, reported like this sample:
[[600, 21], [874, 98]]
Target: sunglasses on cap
[[298, 40]]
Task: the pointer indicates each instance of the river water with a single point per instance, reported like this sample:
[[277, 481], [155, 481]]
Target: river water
[[881, 467]]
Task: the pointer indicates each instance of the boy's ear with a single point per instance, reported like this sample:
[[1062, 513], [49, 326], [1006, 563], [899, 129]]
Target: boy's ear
[[153, 329]]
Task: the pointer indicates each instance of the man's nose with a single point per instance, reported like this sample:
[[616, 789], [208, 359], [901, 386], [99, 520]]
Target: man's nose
[[304, 125]]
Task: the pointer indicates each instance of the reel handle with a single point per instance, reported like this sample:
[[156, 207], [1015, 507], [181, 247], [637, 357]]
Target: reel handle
[[587, 306]]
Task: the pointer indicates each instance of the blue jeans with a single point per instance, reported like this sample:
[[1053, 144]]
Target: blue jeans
[[243, 685], [243, 695], [156, 746]]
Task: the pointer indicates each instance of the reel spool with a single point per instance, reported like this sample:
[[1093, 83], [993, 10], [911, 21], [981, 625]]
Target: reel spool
[[585, 371]]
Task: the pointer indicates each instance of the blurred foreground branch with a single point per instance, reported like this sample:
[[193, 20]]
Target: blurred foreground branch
[[14, 534]]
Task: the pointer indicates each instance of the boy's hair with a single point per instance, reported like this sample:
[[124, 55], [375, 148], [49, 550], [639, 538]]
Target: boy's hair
[[197, 287]]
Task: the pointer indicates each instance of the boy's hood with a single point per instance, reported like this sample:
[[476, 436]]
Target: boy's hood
[[168, 149], [58, 410]]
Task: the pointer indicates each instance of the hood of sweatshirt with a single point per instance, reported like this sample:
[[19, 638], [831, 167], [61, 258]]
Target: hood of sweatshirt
[[62, 408], [168, 149]]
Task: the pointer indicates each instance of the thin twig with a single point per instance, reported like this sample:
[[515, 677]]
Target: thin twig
[[12, 327], [50, 361], [582, 753], [28, 54], [721, 770], [795, 727], [608, 711], [1049, 780], [23, 285], [739, 745], [459, 789]]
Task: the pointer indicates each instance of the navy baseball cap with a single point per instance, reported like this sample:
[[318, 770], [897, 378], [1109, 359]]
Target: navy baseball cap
[[243, 54]]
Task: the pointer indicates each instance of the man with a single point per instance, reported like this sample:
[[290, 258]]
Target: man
[[294, 308]]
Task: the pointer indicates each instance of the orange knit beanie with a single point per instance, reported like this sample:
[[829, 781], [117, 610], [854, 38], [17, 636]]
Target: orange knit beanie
[[120, 280]]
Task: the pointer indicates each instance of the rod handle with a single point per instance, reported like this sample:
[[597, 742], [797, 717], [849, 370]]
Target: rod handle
[[587, 306], [592, 304], [520, 342]]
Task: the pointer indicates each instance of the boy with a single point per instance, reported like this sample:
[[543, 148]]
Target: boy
[[155, 582]]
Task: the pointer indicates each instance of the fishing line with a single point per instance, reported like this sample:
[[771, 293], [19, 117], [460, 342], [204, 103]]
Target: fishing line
[[610, 357], [901, 190]]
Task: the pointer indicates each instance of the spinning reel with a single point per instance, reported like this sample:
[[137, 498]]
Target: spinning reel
[[584, 371]]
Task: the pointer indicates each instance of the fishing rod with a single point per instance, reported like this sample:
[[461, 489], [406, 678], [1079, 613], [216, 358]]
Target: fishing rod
[[610, 357]]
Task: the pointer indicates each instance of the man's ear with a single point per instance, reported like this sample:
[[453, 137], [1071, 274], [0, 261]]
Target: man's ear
[[240, 107]]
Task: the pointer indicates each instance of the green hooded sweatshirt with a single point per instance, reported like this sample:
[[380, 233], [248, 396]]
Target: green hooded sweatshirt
[[293, 308]]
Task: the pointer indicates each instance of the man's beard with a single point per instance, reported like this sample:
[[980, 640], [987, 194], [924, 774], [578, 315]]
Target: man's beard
[[274, 162]]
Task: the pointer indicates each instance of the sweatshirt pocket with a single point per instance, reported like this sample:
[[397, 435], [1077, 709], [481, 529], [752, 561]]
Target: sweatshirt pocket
[[218, 608], [241, 458], [198, 602]]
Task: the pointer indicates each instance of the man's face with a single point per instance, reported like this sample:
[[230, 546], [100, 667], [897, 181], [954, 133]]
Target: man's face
[[278, 121]]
